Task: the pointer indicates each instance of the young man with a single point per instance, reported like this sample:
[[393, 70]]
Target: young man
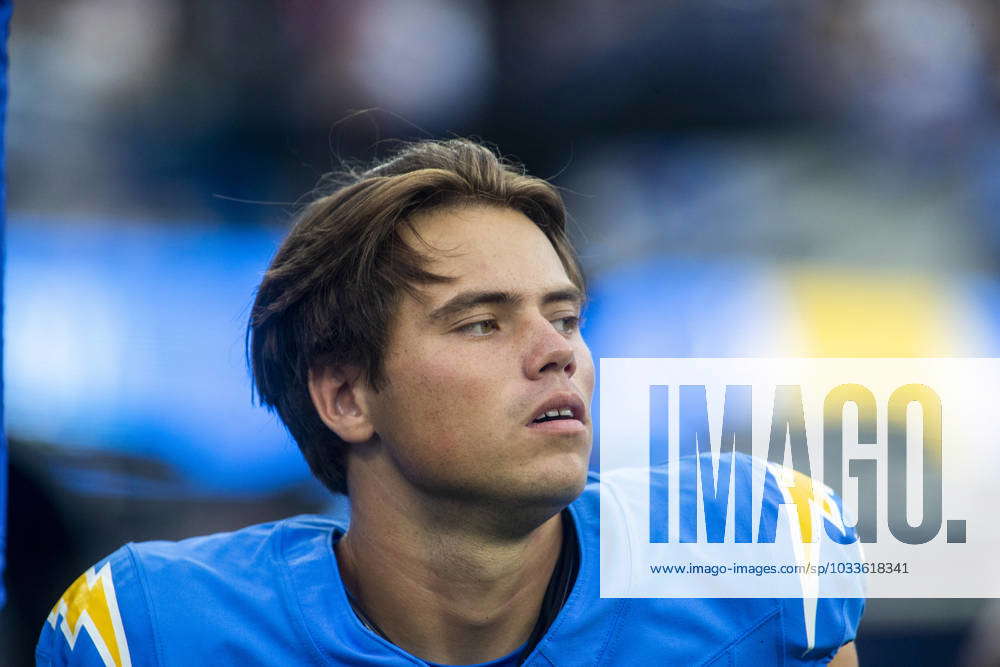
[[418, 333]]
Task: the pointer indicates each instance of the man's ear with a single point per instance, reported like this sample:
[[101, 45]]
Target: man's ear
[[338, 394]]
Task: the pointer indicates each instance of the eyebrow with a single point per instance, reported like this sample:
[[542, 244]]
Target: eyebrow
[[473, 298]]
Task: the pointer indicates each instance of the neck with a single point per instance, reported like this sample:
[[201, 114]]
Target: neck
[[444, 589]]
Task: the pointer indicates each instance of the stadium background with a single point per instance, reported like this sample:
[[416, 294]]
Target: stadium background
[[746, 177]]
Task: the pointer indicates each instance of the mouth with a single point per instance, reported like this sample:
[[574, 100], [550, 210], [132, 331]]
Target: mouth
[[560, 412]]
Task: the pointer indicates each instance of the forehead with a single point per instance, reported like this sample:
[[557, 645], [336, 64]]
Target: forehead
[[486, 247]]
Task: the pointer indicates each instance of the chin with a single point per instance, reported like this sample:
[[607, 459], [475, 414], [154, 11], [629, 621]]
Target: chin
[[524, 512], [556, 487]]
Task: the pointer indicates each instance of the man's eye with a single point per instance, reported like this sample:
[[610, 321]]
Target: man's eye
[[480, 328], [567, 324]]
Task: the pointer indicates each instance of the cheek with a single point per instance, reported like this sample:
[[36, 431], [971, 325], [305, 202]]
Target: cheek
[[441, 419], [442, 378], [436, 400]]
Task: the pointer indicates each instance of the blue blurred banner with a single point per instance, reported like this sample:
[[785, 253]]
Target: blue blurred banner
[[129, 340], [5, 11]]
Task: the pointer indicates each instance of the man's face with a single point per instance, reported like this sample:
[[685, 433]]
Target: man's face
[[471, 365]]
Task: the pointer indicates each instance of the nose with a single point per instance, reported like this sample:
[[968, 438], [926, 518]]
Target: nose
[[549, 352]]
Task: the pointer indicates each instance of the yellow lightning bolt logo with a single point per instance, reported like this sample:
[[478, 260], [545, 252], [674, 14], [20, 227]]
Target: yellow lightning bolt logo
[[90, 603]]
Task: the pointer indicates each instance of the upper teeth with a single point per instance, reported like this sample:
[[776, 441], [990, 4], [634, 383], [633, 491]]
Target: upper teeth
[[564, 412]]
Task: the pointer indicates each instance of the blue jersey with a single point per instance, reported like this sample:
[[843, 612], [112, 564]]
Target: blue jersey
[[272, 595]]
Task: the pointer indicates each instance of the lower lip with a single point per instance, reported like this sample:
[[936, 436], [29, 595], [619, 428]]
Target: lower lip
[[559, 426]]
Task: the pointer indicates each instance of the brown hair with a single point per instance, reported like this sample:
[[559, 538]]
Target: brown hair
[[331, 290]]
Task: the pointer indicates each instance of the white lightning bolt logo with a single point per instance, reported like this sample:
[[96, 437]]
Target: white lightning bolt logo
[[813, 502], [90, 603]]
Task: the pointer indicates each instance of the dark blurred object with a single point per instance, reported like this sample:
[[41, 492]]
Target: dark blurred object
[[906, 647], [56, 532]]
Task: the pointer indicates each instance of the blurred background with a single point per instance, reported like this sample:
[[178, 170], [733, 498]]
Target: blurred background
[[746, 178]]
